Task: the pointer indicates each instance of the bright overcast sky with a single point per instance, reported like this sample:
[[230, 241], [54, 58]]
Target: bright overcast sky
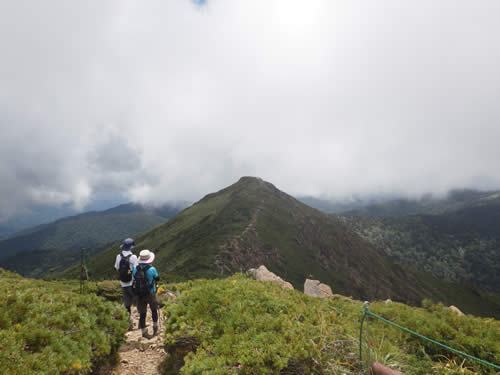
[[173, 99]]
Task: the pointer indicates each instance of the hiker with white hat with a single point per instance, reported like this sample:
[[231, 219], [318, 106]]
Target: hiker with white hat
[[124, 265], [145, 276]]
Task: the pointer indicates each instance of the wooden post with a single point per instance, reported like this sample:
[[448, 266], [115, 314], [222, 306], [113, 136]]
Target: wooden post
[[81, 270]]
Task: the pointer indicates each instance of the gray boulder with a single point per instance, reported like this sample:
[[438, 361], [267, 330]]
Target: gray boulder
[[315, 289], [263, 274]]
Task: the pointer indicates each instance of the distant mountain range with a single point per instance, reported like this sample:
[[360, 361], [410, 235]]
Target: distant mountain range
[[338, 206], [455, 239], [33, 251], [44, 214], [454, 201], [252, 222]]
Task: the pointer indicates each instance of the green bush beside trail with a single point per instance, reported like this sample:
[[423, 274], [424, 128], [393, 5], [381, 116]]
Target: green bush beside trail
[[46, 328], [241, 326], [109, 289]]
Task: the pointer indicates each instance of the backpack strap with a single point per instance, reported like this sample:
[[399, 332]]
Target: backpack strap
[[146, 267]]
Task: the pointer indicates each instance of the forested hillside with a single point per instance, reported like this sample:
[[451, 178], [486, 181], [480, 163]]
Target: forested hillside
[[37, 251], [87, 230], [462, 246]]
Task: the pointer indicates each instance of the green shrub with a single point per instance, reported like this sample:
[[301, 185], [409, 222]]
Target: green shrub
[[479, 337], [47, 329], [109, 289], [241, 326]]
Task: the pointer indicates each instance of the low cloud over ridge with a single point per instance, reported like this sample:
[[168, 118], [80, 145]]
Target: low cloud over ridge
[[172, 100]]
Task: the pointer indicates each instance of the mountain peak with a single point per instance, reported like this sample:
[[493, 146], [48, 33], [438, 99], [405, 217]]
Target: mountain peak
[[248, 186], [250, 182], [250, 179]]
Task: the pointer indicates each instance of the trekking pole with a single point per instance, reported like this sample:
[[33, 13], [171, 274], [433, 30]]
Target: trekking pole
[[159, 317], [155, 284]]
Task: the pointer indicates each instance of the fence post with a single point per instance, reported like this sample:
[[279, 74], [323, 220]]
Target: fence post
[[83, 267], [367, 308]]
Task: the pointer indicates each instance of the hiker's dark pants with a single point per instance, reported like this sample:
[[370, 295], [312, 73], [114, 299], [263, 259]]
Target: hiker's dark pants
[[142, 306], [128, 297]]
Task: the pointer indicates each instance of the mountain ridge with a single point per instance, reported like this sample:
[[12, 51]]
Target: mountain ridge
[[251, 223], [456, 200], [35, 251]]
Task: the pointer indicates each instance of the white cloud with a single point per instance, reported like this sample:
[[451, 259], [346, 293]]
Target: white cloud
[[172, 100]]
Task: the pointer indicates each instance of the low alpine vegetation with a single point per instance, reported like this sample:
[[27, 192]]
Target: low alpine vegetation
[[241, 326], [46, 328]]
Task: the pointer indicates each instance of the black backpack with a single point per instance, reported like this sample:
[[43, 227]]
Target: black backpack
[[141, 286], [124, 268]]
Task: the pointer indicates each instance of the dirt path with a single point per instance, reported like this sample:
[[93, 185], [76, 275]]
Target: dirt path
[[139, 355], [253, 221], [226, 252]]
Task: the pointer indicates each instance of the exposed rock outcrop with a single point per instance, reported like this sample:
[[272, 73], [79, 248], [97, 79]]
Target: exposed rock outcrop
[[164, 295], [263, 274], [456, 310], [315, 289]]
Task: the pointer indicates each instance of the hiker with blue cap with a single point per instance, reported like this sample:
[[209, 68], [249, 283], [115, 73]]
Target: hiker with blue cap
[[124, 265]]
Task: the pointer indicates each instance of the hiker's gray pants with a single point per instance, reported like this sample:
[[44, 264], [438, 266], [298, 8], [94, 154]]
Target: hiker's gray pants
[[128, 297], [142, 307]]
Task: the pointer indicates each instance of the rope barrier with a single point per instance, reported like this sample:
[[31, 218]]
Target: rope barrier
[[367, 312]]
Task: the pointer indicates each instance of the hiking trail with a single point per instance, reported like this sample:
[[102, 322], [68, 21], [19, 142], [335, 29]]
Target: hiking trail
[[139, 355]]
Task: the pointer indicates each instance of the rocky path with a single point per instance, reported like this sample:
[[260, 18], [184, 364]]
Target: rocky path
[[139, 355], [253, 221], [226, 253]]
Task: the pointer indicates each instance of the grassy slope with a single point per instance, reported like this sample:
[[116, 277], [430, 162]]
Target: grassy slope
[[251, 327], [252, 223]]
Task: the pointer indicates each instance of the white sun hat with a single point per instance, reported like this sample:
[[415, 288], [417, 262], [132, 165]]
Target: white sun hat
[[146, 256]]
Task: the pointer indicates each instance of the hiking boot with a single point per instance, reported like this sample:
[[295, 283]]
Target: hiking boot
[[130, 325], [155, 330], [146, 335]]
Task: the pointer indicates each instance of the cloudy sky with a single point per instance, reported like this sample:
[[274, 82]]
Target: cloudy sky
[[173, 99]]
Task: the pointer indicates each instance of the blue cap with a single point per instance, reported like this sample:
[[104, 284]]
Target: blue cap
[[127, 244]]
